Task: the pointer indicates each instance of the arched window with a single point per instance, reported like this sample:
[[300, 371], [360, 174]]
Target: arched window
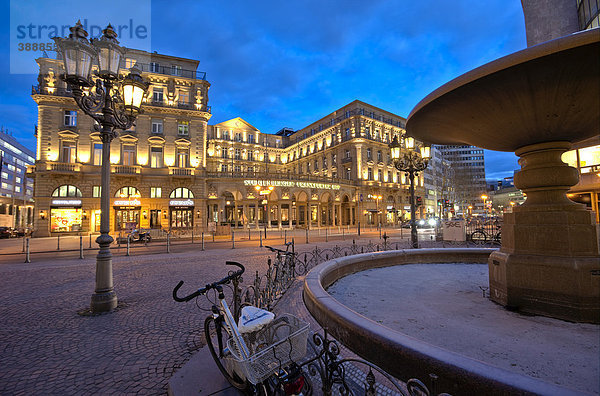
[[67, 190], [126, 192], [181, 192]]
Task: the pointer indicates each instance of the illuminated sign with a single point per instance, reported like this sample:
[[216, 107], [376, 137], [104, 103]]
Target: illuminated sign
[[66, 202], [124, 202], [181, 202], [287, 183]]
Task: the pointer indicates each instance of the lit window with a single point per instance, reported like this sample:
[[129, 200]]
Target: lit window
[[250, 155], [370, 174], [223, 167], [97, 154], [224, 152], [183, 128], [66, 190], [238, 154], [156, 157], [69, 152], [183, 155], [96, 191], [181, 192], [155, 192], [128, 155]]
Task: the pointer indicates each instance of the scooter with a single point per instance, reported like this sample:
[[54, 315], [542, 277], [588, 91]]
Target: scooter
[[139, 236]]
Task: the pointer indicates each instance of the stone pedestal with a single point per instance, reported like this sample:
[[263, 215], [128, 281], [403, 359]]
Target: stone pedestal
[[549, 262]]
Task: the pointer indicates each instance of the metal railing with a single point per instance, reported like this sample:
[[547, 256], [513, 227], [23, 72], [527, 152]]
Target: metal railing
[[169, 71], [280, 176]]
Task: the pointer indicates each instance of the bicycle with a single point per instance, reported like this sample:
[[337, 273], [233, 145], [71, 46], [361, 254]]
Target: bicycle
[[258, 362], [480, 236]]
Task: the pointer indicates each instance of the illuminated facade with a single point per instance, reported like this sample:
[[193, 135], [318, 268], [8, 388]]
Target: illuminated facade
[[174, 171], [16, 190], [586, 158]]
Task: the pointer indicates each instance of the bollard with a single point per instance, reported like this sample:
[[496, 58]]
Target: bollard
[[27, 260], [232, 239], [307, 235], [127, 253], [293, 246], [379, 230], [265, 232], [58, 242], [213, 236], [202, 241], [90, 240], [23, 250], [285, 236], [343, 238], [192, 237], [80, 247], [249, 234], [326, 235], [260, 238], [169, 243], [396, 245]]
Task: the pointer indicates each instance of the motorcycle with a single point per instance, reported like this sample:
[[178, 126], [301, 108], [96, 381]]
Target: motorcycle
[[139, 236]]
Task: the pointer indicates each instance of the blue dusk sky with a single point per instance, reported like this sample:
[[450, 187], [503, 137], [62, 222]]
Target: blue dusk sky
[[288, 63]]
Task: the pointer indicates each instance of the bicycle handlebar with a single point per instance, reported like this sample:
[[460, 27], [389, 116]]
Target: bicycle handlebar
[[276, 250], [213, 285]]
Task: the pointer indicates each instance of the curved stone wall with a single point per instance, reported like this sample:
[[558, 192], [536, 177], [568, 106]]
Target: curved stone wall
[[402, 356]]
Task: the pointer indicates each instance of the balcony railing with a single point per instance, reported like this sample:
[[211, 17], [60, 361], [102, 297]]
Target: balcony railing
[[278, 176], [126, 169], [181, 171], [169, 71], [179, 105], [63, 167]]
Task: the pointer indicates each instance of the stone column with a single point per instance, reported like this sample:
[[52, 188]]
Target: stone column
[[279, 214]]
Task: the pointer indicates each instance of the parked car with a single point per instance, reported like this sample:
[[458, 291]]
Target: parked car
[[6, 232]]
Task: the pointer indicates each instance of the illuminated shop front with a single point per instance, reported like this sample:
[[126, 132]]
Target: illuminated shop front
[[181, 213], [66, 215], [127, 207]]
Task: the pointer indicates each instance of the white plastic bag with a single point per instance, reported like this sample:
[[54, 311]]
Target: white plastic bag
[[253, 319]]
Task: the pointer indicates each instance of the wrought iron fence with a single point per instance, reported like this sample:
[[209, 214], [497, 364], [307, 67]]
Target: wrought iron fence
[[336, 375]]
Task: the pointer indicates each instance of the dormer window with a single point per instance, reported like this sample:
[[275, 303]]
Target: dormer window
[[154, 67]]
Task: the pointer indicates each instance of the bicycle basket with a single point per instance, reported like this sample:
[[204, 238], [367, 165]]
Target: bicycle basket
[[271, 348]]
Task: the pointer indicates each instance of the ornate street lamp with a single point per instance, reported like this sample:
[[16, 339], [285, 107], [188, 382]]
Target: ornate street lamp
[[114, 102], [407, 159]]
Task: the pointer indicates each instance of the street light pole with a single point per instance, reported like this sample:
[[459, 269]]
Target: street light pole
[[114, 102], [407, 159]]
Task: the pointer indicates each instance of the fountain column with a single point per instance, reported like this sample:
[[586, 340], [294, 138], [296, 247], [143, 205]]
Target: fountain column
[[549, 255]]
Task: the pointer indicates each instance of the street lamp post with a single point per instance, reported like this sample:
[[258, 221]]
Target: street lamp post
[[114, 102], [484, 197], [407, 159]]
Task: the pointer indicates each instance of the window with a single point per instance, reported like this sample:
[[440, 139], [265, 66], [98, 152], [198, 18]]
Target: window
[[156, 157], [176, 70], [223, 167], [157, 126], [369, 154], [324, 162], [155, 192], [224, 152], [129, 63], [316, 165], [315, 148], [157, 95], [250, 169], [379, 157], [181, 192], [389, 179], [69, 152], [128, 155], [183, 155], [96, 191], [308, 167], [347, 136], [183, 128], [237, 168], [184, 97], [66, 190], [225, 135], [334, 160], [70, 118], [127, 191], [238, 154], [379, 175], [154, 67], [250, 155], [348, 173], [370, 174], [347, 154], [238, 137], [250, 138], [368, 131]]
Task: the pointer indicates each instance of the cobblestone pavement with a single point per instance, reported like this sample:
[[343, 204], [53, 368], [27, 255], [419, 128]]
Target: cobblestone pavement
[[47, 348]]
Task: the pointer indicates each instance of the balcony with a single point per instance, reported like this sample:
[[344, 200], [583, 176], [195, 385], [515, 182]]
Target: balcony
[[178, 105], [63, 167], [125, 169], [169, 71], [278, 176], [187, 172], [346, 160]]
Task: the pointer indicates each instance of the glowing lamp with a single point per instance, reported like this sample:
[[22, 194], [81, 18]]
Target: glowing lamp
[[395, 148], [134, 89]]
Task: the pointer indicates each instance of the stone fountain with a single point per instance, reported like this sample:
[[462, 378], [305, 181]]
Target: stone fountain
[[536, 102]]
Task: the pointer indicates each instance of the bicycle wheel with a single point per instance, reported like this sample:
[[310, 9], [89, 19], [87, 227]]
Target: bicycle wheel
[[212, 341], [478, 237], [498, 238]]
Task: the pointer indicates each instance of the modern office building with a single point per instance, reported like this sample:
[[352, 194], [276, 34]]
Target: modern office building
[[16, 190], [467, 178], [174, 171]]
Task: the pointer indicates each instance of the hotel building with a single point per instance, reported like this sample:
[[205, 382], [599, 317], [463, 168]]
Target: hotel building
[[174, 171]]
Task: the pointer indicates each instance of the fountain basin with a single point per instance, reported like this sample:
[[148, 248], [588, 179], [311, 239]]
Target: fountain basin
[[402, 356]]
